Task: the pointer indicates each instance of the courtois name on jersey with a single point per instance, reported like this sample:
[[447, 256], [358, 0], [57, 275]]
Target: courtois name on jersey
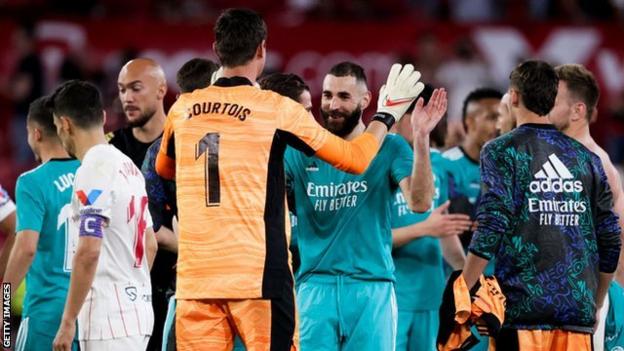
[[554, 177]]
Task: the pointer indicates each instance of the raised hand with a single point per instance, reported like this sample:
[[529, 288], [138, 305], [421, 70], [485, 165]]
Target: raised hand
[[400, 90], [425, 118]]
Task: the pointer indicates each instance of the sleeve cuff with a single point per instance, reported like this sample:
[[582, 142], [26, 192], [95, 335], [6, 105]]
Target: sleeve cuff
[[485, 256]]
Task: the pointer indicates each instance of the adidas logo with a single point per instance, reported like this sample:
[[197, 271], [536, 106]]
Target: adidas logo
[[312, 167], [555, 177]]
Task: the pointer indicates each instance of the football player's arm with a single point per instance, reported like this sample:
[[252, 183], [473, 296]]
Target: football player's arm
[[22, 256], [438, 224], [84, 267], [30, 216], [607, 233], [421, 189], [453, 252], [166, 239], [7, 226], [473, 269], [306, 135], [152, 246], [165, 160], [494, 214], [615, 183], [155, 189], [424, 118]]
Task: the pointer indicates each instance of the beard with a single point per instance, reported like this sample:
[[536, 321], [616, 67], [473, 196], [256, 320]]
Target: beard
[[142, 119], [346, 125]]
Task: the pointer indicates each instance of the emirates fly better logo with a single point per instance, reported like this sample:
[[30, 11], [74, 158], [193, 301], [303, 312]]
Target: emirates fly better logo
[[555, 178]]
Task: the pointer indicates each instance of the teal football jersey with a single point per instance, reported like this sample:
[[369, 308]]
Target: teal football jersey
[[343, 220], [43, 198], [464, 177], [419, 265]]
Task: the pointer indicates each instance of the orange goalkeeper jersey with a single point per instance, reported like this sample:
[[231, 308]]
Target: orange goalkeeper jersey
[[224, 146]]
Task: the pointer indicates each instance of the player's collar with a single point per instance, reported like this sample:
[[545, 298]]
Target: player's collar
[[62, 159], [232, 81], [539, 125]]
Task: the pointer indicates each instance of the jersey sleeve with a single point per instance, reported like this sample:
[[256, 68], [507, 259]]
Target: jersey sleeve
[[154, 186], [443, 186], [607, 226], [31, 206], [496, 209], [165, 160], [402, 161], [304, 133]]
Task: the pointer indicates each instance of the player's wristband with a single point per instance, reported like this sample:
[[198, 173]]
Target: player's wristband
[[384, 118]]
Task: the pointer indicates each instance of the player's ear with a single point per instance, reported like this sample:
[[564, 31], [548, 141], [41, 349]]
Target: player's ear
[[162, 91], [514, 98], [469, 122], [65, 124], [104, 116], [261, 50], [366, 99], [38, 134], [579, 111]]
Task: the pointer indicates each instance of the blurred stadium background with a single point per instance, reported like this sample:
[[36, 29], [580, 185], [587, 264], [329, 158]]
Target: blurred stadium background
[[458, 44]]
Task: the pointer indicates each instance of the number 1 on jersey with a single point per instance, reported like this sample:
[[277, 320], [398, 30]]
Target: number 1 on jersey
[[210, 143]]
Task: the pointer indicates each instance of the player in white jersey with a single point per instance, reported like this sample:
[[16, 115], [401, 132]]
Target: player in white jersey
[[110, 291]]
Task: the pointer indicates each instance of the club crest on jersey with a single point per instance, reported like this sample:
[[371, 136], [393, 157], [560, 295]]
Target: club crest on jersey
[[90, 199], [131, 291]]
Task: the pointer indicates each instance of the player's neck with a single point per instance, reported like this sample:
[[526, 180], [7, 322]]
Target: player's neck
[[356, 132], [246, 71], [580, 133], [86, 139], [471, 147], [152, 129], [526, 117], [50, 150]]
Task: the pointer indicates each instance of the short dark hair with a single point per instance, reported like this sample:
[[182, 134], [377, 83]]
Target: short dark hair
[[477, 95], [346, 69], [238, 33], [582, 85], [285, 84], [40, 113], [80, 101], [195, 74], [537, 83]]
